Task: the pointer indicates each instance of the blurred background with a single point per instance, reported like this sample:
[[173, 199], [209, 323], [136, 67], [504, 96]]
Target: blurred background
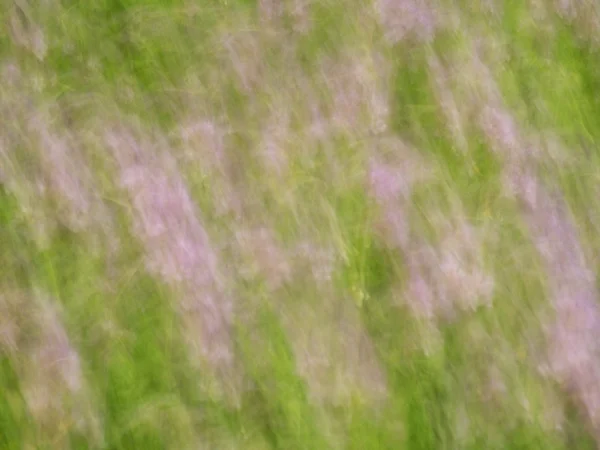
[[299, 224]]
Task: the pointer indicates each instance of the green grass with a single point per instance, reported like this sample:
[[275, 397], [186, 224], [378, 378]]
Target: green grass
[[164, 63]]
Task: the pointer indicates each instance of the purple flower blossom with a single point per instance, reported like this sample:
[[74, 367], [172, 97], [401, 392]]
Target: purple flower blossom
[[178, 248]]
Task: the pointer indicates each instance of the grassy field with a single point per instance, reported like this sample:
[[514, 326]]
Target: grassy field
[[299, 224]]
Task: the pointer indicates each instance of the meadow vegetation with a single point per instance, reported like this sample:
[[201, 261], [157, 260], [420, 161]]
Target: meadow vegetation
[[299, 224]]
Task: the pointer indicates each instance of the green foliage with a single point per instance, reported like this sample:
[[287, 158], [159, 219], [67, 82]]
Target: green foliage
[[163, 61]]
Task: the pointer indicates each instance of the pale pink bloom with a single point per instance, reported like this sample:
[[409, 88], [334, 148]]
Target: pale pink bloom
[[520, 183], [262, 256], [165, 217], [567, 8], [178, 248], [357, 85], [550, 146], [388, 183], [448, 277], [448, 105], [403, 19], [347, 105], [333, 352], [300, 12], [574, 352], [204, 142], [275, 141], [362, 367], [67, 179], [475, 80], [501, 129], [393, 227], [390, 186], [53, 371], [52, 380], [392, 222], [11, 73], [319, 126], [26, 33], [346, 93], [69, 176], [245, 54], [271, 10], [379, 112], [573, 337], [462, 266], [421, 294], [321, 261]]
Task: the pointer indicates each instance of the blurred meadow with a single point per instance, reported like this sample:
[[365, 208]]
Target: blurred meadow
[[299, 224]]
